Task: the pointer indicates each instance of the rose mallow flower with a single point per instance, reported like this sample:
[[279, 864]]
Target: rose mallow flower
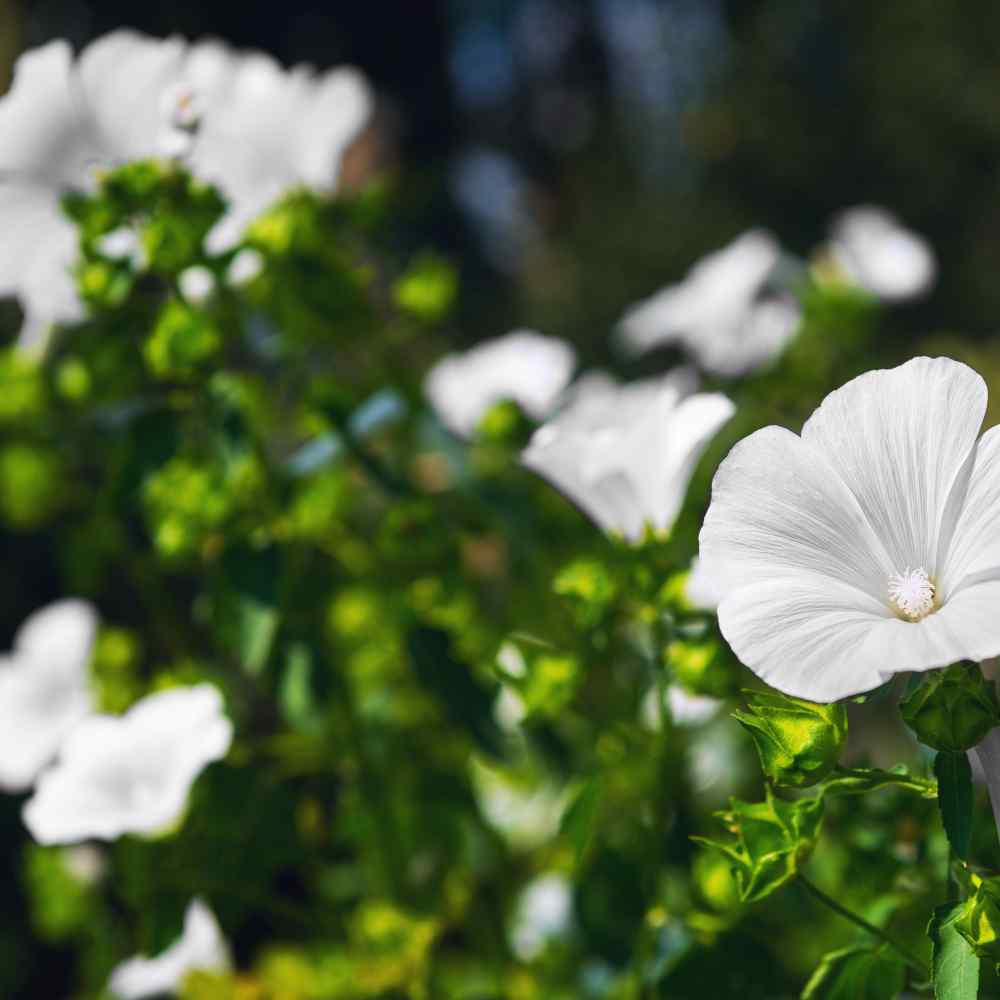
[[726, 313], [875, 252], [130, 773], [237, 119], [626, 457], [44, 689], [522, 366], [200, 948], [869, 544]]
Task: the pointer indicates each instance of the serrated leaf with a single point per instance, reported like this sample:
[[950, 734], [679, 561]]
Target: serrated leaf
[[858, 781], [955, 799], [859, 972], [954, 964]]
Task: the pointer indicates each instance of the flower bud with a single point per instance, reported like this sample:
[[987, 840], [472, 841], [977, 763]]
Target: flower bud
[[979, 921], [953, 709], [798, 742]]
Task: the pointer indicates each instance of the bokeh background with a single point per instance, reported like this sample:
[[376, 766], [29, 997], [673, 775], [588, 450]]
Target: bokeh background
[[572, 156]]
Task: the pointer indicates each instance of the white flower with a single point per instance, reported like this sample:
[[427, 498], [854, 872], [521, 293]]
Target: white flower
[[685, 709], [544, 914], [242, 121], [200, 948], [522, 366], [44, 689], [870, 544], [244, 267], [129, 773], [627, 460], [723, 312], [196, 284], [877, 253]]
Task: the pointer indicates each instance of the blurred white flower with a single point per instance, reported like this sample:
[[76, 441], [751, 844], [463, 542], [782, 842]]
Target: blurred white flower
[[522, 366], [626, 459], [723, 313], [543, 915], [44, 689], [244, 267], [242, 121], [526, 813], [200, 948], [196, 284], [868, 545], [129, 773], [85, 862], [685, 709], [875, 251]]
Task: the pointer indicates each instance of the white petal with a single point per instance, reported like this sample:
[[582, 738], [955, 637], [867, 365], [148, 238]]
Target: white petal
[[124, 76], [779, 508], [719, 312], [522, 366], [61, 633], [877, 253], [900, 440], [813, 638], [339, 107], [132, 773], [974, 548], [806, 635], [201, 947], [38, 246], [44, 131]]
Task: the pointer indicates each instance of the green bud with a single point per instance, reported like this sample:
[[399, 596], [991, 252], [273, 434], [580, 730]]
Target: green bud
[[427, 290], [72, 379], [22, 393], [770, 840], [953, 709], [798, 742], [588, 587], [30, 479], [979, 920], [504, 423], [702, 667]]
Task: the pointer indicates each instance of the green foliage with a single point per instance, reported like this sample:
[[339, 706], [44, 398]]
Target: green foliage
[[771, 839], [953, 709], [798, 742], [860, 972], [954, 965], [977, 919]]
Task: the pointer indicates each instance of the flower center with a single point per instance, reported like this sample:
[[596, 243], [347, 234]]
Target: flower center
[[912, 594]]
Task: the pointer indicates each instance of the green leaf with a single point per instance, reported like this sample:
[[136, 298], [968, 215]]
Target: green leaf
[[579, 819], [769, 842], [253, 576], [466, 700], [859, 972], [955, 965], [955, 799], [858, 781]]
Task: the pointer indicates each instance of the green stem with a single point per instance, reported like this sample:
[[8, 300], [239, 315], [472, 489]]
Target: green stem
[[372, 791], [912, 960]]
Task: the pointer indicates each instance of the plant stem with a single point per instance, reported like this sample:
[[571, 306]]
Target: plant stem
[[912, 960]]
